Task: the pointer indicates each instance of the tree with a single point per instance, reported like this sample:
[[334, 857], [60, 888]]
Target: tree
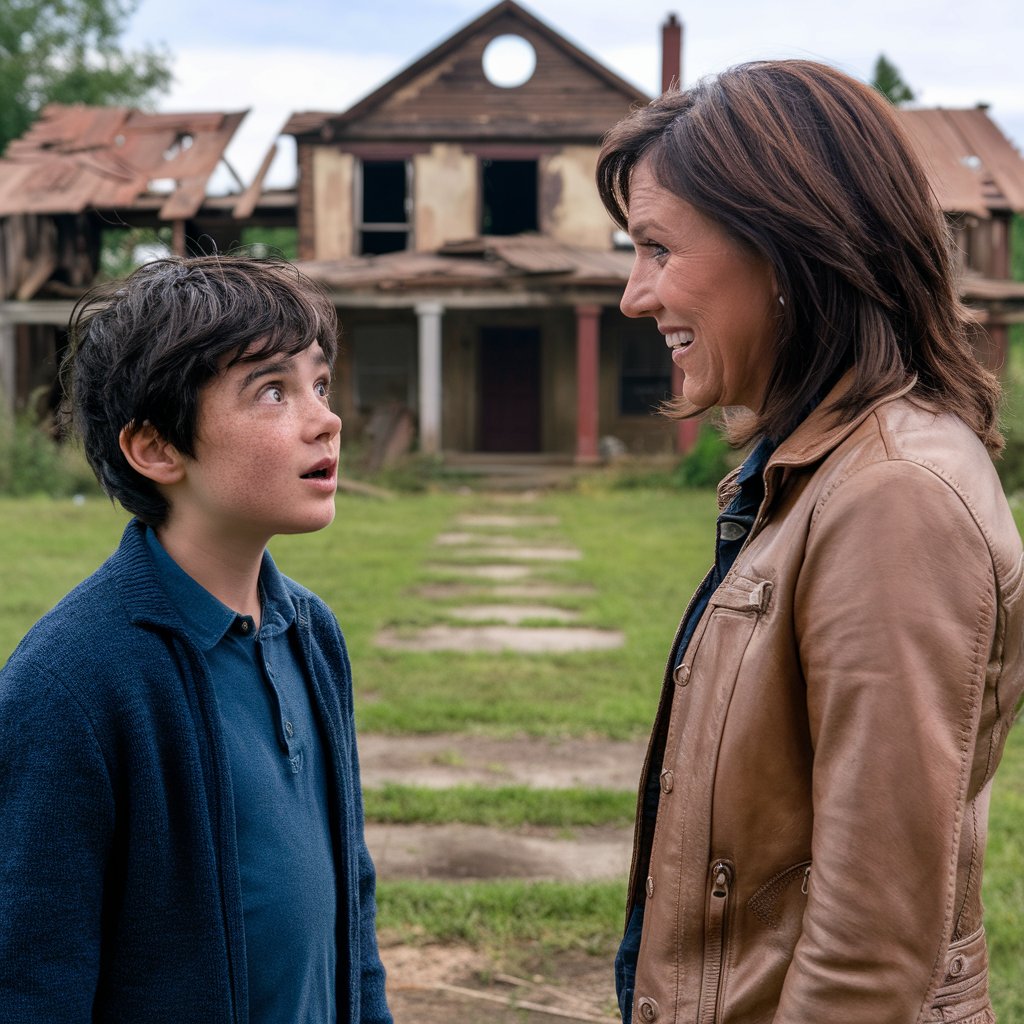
[[889, 82], [68, 51]]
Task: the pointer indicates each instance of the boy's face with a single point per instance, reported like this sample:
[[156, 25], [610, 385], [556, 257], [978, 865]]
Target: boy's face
[[266, 452]]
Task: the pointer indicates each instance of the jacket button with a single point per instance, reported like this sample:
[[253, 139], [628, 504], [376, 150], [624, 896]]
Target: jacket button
[[647, 1009], [681, 674], [650, 887], [667, 781]]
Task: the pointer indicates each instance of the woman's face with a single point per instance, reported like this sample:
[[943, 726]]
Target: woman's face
[[714, 300]]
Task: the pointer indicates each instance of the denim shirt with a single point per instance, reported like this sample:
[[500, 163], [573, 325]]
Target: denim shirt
[[730, 534]]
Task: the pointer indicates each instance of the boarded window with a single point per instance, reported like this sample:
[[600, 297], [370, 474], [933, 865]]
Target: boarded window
[[384, 206], [509, 191], [645, 376]]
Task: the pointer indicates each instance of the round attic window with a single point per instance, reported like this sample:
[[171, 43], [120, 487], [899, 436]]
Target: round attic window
[[509, 61]]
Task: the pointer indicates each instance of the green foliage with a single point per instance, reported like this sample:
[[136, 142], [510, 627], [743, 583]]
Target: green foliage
[[503, 806], [889, 82], [707, 462], [261, 241], [32, 463], [68, 51], [125, 249]]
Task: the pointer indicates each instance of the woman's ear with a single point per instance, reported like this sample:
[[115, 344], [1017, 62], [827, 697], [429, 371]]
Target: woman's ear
[[150, 455]]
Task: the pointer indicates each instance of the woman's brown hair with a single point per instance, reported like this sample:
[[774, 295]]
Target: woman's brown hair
[[811, 169]]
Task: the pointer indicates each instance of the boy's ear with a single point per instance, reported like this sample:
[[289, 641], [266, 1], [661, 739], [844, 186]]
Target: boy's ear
[[150, 455]]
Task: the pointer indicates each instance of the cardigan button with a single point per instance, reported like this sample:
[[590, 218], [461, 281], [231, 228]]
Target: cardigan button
[[650, 887], [681, 674], [667, 781], [647, 1009]]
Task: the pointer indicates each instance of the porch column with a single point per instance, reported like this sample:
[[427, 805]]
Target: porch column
[[8, 366], [429, 315], [686, 430], [588, 330]]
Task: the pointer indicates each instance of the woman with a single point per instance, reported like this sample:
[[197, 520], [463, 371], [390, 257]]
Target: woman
[[813, 807]]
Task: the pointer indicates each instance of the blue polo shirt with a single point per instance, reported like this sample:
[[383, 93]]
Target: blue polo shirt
[[279, 781]]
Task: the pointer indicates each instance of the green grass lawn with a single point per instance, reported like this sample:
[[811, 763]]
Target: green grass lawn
[[643, 552]]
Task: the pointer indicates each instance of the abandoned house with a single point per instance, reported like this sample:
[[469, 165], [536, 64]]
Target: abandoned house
[[453, 218], [81, 174]]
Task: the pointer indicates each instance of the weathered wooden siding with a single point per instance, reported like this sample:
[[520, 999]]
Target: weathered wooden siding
[[445, 200], [570, 207], [333, 188]]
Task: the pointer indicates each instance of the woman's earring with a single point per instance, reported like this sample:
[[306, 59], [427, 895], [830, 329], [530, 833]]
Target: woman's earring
[[782, 301]]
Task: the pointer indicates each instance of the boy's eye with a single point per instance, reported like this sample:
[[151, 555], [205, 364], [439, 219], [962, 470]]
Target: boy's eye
[[323, 388], [272, 393]]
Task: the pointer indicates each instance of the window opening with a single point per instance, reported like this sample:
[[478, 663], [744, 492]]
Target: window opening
[[384, 207], [509, 190], [645, 378]]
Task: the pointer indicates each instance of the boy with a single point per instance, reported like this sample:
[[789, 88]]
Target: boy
[[179, 789]]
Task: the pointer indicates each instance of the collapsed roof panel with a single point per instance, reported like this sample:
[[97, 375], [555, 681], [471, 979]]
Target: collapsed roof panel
[[75, 157]]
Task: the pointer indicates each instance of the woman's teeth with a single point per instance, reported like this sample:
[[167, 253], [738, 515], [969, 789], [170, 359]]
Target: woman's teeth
[[679, 339]]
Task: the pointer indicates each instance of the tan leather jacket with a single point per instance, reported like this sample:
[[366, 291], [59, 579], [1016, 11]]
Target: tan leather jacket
[[830, 737]]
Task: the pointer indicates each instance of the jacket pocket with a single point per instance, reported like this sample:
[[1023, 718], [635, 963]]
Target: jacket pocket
[[716, 938], [765, 903], [963, 995]]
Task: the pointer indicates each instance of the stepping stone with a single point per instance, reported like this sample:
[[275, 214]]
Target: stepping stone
[[513, 614], [485, 572], [533, 554], [496, 639], [445, 760], [476, 851], [505, 522], [531, 591], [480, 539]]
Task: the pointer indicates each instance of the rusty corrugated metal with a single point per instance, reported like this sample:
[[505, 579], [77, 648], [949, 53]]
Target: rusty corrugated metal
[[77, 157], [972, 166], [505, 263]]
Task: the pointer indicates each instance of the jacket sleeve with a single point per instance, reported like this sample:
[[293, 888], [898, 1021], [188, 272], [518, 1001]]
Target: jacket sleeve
[[895, 618], [56, 823]]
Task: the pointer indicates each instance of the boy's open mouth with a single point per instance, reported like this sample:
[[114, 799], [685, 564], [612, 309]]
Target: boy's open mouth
[[316, 474]]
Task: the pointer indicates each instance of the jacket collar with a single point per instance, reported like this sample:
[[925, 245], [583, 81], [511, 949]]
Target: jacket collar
[[144, 594], [813, 439], [820, 433]]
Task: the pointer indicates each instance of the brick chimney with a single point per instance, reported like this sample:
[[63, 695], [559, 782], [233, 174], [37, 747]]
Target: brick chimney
[[671, 54]]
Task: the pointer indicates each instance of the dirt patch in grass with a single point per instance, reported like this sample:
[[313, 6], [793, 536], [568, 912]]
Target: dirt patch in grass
[[436, 984]]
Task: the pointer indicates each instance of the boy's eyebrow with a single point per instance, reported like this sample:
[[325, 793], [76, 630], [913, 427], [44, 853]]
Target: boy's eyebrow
[[285, 365]]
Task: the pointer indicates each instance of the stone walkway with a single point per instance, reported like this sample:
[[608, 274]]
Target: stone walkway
[[474, 561]]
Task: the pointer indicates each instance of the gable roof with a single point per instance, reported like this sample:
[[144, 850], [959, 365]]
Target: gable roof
[[445, 93], [75, 157], [972, 166]]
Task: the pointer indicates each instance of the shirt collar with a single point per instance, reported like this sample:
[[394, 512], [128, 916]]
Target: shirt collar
[[207, 619]]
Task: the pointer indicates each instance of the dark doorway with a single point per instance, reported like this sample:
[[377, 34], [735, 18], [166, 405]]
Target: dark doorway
[[509, 197], [509, 389]]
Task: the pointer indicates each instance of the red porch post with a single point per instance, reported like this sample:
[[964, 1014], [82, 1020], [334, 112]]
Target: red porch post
[[588, 320], [686, 430]]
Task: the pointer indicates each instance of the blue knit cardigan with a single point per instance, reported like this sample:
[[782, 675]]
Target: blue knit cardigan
[[119, 881]]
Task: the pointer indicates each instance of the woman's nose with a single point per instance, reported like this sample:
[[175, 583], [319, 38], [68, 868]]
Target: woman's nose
[[636, 299]]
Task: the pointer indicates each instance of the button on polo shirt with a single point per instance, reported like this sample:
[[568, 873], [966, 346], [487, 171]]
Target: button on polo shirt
[[279, 782]]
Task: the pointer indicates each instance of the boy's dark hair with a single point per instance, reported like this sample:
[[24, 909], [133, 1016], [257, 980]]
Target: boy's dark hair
[[811, 169], [140, 351]]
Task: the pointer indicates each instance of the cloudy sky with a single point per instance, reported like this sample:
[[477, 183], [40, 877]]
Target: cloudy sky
[[275, 58]]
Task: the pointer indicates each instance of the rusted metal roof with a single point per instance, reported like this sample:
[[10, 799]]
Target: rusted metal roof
[[506, 263], [973, 167], [79, 157]]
